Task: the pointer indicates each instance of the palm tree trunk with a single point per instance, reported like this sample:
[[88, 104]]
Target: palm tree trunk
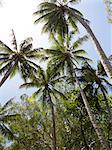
[[103, 58], [53, 123], [7, 74], [98, 130]]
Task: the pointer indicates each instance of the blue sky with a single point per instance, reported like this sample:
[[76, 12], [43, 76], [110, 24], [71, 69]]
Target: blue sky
[[18, 15], [95, 12]]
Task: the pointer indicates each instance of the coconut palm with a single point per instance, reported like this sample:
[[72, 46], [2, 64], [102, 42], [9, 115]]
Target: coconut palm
[[95, 78], [64, 58], [57, 15], [17, 59], [44, 81], [100, 85]]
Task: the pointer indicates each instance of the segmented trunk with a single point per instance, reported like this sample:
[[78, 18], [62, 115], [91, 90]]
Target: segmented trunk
[[103, 58], [99, 132]]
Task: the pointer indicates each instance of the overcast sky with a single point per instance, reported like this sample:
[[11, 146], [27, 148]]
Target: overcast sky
[[17, 14]]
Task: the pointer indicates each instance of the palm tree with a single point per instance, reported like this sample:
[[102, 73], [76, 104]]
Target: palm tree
[[44, 81], [58, 15], [96, 79], [64, 57], [17, 59]]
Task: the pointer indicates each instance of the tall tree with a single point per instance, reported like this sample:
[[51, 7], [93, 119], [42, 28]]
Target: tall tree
[[95, 80], [17, 59], [64, 57], [57, 15], [44, 82]]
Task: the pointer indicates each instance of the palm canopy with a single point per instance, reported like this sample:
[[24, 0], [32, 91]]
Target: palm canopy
[[94, 78], [64, 56], [56, 16], [44, 82], [19, 58]]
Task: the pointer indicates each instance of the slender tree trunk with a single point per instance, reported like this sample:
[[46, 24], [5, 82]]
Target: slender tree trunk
[[103, 58], [53, 123], [5, 77], [99, 132]]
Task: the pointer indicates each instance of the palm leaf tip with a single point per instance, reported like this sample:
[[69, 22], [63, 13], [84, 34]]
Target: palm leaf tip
[[14, 42]]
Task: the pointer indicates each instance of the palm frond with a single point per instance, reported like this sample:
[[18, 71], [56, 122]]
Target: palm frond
[[47, 5], [75, 11], [106, 82], [34, 54], [43, 97], [14, 42], [81, 58], [6, 132], [28, 85], [14, 71], [79, 42], [52, 52], [74, 1], [73, 23], [41, 74], [42, 18], [37, 93], [58, 80], [56, 42], [32, 64], [8, 104], [55, 91], [4, 59], [5, 48], [4, 54], [79, 52], [5, 68], [42, 11], [100, 69]]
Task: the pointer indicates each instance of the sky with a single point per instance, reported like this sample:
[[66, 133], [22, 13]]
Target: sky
[[17, 15]]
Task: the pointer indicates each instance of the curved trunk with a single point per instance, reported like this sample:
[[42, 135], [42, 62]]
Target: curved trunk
[[53, 123], [103, 58], [98, 130]]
